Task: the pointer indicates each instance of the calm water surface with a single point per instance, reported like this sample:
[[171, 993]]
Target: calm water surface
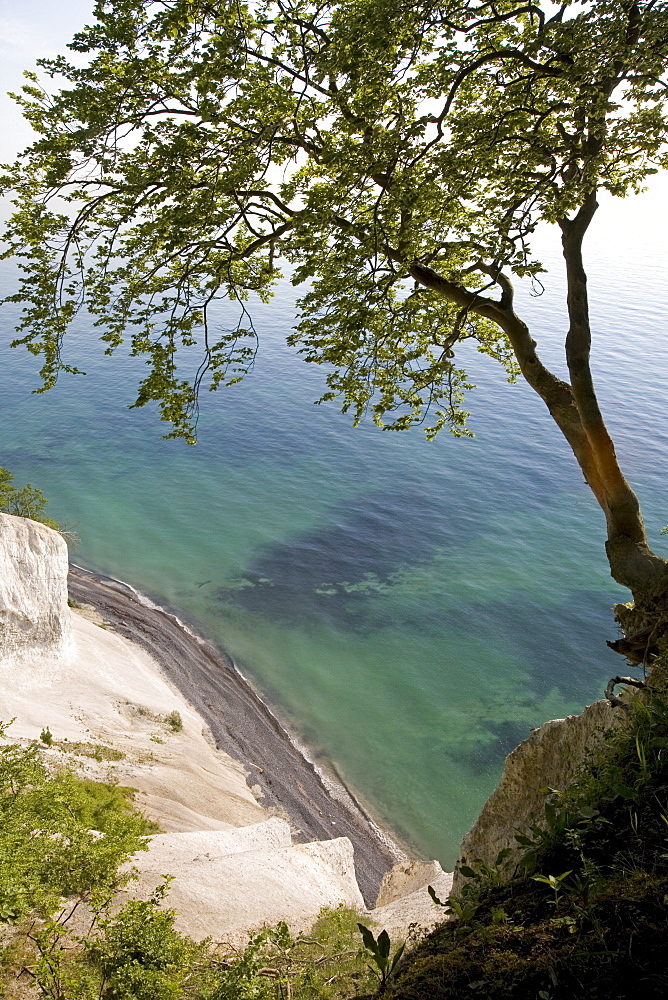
[[412, 609]]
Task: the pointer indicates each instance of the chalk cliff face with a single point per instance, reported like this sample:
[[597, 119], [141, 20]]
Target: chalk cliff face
[[34, 616], [549, 758]]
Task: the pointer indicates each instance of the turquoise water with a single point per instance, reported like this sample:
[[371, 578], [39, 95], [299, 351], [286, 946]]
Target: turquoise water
[[411, 609]]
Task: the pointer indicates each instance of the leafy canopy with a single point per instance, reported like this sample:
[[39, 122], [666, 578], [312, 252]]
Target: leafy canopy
[[386, 152]]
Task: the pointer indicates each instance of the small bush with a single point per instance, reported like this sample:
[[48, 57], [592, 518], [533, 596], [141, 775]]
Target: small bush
[[97, 751], [174, 721], [140, 954], [59, 835], [133, 954], [327, 964], [25, 502]]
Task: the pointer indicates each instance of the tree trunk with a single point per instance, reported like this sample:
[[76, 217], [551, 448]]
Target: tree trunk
[[632, 563], [574, 407]]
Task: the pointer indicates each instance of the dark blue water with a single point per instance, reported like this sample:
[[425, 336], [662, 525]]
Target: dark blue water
[[412, 609]]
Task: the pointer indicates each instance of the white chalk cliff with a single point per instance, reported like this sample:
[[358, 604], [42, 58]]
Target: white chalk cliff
[[105, 701], [34, 617]]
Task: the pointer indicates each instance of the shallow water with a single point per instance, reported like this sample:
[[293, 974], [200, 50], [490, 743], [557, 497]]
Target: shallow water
[[412, 609]]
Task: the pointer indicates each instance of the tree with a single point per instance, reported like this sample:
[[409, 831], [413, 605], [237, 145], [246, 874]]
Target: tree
[[28, 501], [397, 156]]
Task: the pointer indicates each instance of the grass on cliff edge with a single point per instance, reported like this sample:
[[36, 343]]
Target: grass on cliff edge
[[586, 916]]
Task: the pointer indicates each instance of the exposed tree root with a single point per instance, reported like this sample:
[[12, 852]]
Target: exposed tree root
[[613, 699]]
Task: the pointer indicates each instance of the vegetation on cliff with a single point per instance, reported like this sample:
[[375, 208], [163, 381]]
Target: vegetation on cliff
[[586, 913], [28, 501], [63, 843], [60, 835]]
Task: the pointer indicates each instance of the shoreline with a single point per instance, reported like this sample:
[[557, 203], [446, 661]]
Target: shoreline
[[317, 805]]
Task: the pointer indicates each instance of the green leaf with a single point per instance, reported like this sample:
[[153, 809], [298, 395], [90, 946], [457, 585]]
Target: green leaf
[[502, 856], [432, 893], [625, 791], [397, 957], [384, 944], [368, 938]]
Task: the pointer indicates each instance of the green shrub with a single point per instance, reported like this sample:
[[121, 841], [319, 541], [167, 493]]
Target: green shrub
[[25, 502], [133, 954], [140, 954], [328, 964], [97, 751], [174, 721], [59, 835], [136, 954]]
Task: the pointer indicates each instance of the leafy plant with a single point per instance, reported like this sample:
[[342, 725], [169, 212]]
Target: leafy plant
[[46, 737], [565, 820], [133, 954], [481, 877], [327, 964], [140, 954], [554, 881], [486, 876], [59, 835], [379, 948]]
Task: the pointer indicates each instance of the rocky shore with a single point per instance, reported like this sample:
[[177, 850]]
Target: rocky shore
[[281, 776]]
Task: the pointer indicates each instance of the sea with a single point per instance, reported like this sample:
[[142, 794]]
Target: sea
[[410, 609]]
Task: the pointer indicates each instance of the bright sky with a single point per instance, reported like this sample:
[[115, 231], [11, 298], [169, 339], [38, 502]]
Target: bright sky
[[30, 29], [33, 28]]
